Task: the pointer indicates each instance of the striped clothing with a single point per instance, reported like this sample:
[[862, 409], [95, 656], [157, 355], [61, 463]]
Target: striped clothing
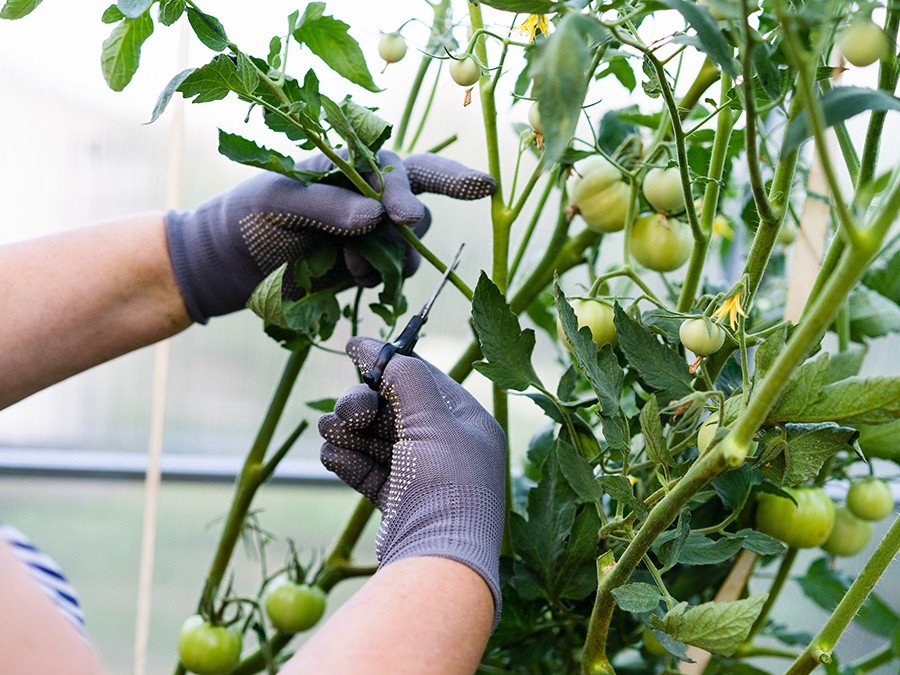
[[47, 573]]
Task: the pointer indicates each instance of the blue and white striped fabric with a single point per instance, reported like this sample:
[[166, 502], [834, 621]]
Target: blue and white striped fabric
[[47, 573]]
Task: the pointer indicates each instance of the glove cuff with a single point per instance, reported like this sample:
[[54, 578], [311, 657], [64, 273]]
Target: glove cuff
[[459, 522], [214, 277]]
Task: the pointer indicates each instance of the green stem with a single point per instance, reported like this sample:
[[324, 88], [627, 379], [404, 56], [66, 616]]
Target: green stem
[[873, 660], [427, 111], [783, 574], [342, 549], [535, 218], [501, 414], [410, 238], [251, 477], [820, 648], [694, 274]]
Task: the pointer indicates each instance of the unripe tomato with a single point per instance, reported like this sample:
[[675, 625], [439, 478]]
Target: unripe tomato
[[600, 194], [392, 47], [863, 43], [465, 72], [707, 432], [787, 234], [661, 244], [596, 315], [534, 117], [870, 499], [207, 649], [849, 535], [293, 607], [662, 190], [701, 336], [805, 524]]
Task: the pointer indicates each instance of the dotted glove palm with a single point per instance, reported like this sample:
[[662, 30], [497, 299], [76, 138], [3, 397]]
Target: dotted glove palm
[[222, 250], [427, 454]]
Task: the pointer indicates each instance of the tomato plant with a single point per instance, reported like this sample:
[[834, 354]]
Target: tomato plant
[[207, 649], [870, 499], [849, 535], [293, 607], [863, 43], [627, 515], [392, 47]]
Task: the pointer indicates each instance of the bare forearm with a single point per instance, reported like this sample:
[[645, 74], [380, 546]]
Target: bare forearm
[[77, 299], [418, 615]]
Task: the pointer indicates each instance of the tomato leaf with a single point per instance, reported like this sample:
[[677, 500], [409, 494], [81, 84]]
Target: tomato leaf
[[733, 487], [846, 364], [575, 571], [658, 367], [112, 14], [669, 544], [243, 151], [768, 351], [208, 29], [854, 400], [701, 550], [215, 80], [121, 52], [808, 447], [529, 6], [387, 257], [133, 8], [759, 542], [506, 347], [871, 314], [328, 38], [838, 104], [166, 94], [718, 627], [170, 11], [16, 9], [654, 441], [637, 597], [801, 391], [313, 316], [579, 474], [711, 40], [266, 301], [325, 405], [561, 80], [882, 275], [827, 587]]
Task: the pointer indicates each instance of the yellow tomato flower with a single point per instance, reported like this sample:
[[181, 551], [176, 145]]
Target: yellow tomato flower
[[730, 308], [721, 227], [533, 24]]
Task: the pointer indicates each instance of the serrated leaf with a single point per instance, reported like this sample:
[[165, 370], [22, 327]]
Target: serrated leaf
[[838, 105], [827, 587], [239, 149], [112, 14], [313, 316], [133, 8], [658, 367], [560, 78], [808, 447], [208, 29], [701, 550], [669, 544], [637, 598], [718, 627], [387, 257], [371, 130], [213, 81], [654, 441], [546, 404], [801, 390], [16, 9], [846, 364], [166, 94], [170, 11], [854, 400], [620, 489], [328, 38], [871, 314], [505, 346], [325, 405], [266, 301], [579, 473], [882, 275], [768, 351], [733, 487], [121, 52], [711, 40], [575, 572], [759, 542]]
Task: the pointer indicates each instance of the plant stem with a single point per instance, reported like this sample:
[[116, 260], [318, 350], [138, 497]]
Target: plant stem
[[410, 238], [342, 548], [251, 477], [694, 274], [820, 648], [784, 572], [871, 661], [526, 237]]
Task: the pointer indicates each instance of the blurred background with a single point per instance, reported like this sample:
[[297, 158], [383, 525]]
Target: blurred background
[[73, 153]]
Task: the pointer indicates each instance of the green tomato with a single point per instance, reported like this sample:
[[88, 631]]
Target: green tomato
[[870, 499], [707, 432], [293, 607], [805, 524], [465, 72], [207, 649], [662, 190], [534, 117], [600, 195], [787, 234], [392, 47], [701, 336], [661, 244], [596, 315], [849, 535], [863, 43]]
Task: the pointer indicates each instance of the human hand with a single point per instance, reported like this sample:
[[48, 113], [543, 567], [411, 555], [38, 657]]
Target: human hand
[[221, 251], [427, 454]]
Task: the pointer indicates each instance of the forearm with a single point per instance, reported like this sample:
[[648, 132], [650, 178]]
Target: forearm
[[417, 615], [77, 299]]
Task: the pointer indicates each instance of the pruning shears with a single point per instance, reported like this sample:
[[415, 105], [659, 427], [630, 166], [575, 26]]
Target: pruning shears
[[406, 341]]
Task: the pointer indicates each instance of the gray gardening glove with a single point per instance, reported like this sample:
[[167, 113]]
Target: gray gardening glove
[[426, 453], [222, 250]]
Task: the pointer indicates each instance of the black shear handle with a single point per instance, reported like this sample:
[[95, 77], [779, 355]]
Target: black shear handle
[[404, 345]]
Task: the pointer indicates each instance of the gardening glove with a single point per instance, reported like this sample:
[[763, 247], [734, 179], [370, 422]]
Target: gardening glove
[[425, 452], [221, 251]]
